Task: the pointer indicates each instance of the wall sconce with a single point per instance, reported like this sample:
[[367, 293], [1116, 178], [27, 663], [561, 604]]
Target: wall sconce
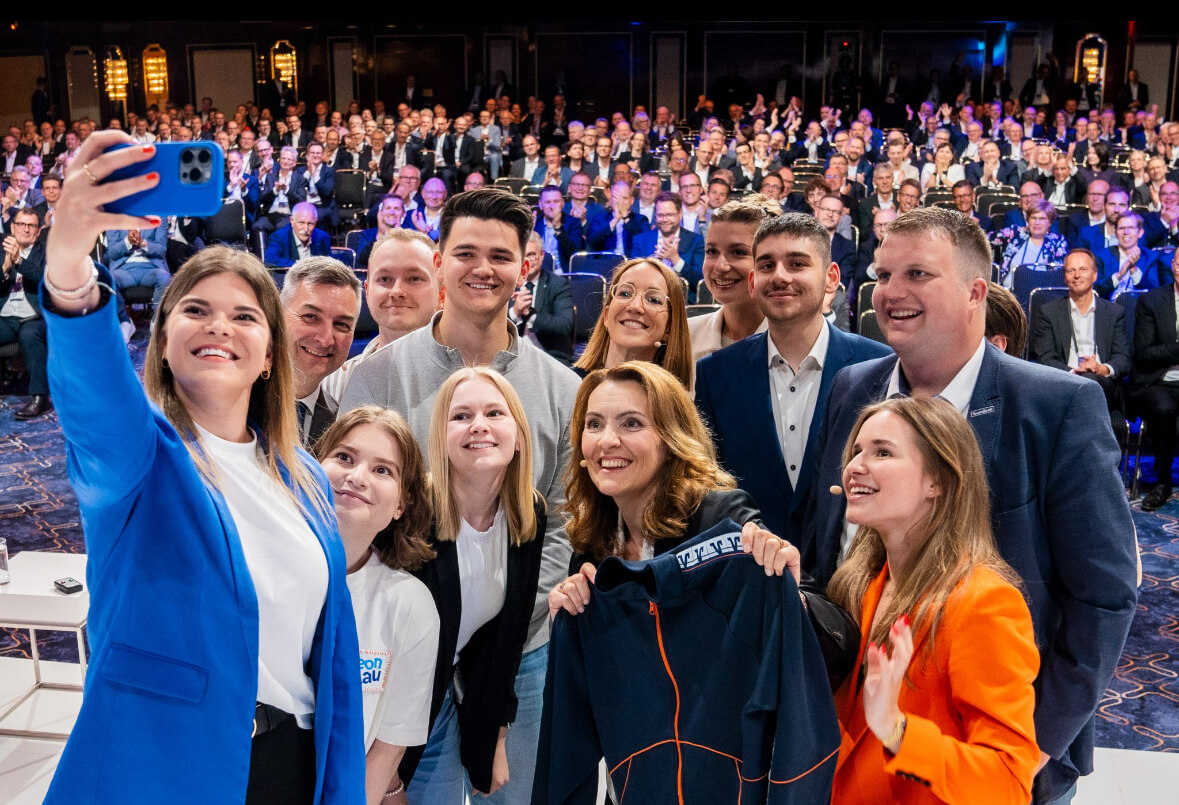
[[284, 63], [155, 74], [117, 78]]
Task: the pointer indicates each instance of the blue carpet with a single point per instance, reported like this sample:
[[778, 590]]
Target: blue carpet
[[1140, 709]]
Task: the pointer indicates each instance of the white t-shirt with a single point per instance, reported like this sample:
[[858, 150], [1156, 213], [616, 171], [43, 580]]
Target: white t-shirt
[[287, 567], [483, 575], [397, 624]]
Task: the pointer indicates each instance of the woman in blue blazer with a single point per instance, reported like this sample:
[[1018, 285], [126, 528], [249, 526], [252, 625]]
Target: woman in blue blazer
[[218, 673]]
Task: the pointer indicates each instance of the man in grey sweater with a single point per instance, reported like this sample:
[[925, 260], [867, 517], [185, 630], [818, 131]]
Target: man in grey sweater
[[482, 237]]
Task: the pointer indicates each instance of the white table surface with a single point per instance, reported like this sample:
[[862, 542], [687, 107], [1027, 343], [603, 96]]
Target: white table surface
[[30, 599]]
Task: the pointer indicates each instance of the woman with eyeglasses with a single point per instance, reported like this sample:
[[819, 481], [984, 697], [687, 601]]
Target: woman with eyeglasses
[[644, 318]]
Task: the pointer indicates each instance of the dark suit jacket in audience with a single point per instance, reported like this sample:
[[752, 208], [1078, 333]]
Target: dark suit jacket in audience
[[1052, 335], [282, 251], [552, 319]]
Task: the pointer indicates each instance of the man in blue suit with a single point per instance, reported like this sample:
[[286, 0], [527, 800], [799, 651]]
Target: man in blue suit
[[990, 170], [1059, 509], [680, 249], [1128, 266], [298, 239], [137, 257], [765, 397]]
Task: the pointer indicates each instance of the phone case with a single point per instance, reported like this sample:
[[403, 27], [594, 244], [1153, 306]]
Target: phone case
[[180, 192]]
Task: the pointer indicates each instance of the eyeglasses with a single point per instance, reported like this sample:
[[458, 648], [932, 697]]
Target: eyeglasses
[[651, 298], [25, 225]]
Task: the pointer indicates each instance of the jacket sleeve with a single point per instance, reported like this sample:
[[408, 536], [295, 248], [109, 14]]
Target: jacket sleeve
[[569, 751], [791, 735], [1044, 343], [1088, 528], [992, 664], [1119, 352], [1153, 350], [109, 455], [155, 244], [557, 318]]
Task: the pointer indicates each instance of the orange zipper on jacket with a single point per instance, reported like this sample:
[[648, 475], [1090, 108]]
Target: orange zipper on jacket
[[679, 781]]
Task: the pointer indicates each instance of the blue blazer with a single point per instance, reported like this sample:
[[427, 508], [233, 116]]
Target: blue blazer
[[691, 249], [155, 245], [173, 614], [281, 251], [1109, 261], [733, 395], [1061, 520]]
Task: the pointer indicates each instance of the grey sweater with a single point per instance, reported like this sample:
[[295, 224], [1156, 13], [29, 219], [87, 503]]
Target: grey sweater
[[405, 376]]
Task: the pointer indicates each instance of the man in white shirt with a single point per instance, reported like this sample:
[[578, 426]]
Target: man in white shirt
[[1082, 333], [20, 309], [321, 299]]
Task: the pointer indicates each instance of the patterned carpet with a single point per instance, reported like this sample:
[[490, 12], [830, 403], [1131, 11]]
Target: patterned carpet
[[1140, 709]]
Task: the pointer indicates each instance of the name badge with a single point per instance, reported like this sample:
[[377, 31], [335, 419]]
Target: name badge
[[990, 409]]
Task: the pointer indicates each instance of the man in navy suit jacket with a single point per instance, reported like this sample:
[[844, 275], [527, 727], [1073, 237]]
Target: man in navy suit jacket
[[1128, 265], [746, 391], [997, 171], [1156, 397], [286, 245], [1059, 509], [680, 249]]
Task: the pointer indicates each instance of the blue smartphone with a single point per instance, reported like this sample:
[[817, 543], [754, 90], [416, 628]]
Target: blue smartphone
[[192, 181]]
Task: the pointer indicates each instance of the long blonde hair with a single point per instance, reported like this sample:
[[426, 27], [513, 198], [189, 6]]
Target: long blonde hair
[[517, 495], [676, 353], [688, 474], [954, 539], [271, 398]]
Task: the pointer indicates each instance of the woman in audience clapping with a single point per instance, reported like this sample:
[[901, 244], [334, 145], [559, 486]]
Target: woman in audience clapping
[[378, 479], [946, 715], [943, 172], [644, 318], [219, 611], [488, 535]]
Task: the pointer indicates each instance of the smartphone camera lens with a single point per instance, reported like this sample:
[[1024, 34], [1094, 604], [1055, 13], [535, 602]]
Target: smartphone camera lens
[[195, 175], [204, 156], [187, 157]]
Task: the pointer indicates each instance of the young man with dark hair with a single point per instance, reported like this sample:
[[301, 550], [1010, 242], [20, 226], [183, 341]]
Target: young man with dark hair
[[483, 235]]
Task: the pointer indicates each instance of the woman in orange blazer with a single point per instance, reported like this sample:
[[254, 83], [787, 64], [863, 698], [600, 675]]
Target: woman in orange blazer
[[947, 715]]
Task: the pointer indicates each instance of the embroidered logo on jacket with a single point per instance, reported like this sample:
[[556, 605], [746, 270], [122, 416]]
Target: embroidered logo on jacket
[[715, 548], [372, 669]]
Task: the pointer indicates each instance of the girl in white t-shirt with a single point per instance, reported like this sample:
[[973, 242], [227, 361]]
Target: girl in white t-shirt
[[378, 481]]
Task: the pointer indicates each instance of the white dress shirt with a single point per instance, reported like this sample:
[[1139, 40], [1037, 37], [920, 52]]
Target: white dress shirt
[[793, 394]]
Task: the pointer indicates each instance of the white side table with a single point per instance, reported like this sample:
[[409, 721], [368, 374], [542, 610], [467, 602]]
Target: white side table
[[30, 601]]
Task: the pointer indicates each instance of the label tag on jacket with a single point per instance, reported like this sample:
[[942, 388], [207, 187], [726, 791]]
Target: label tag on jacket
[[990, 409], [697, 555]]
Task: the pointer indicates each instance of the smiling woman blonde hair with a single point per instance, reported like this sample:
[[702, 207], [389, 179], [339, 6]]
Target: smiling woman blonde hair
[[517, 495], [675, 355], [689, 472]]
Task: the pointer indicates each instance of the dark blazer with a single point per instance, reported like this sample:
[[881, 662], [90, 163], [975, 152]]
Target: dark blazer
[[552, 303], [1008, 173], [299, 142], [1060, 518], [843, 252], [596, 226], [326, 184], [1073, 226], [1140, 195], [32, 270], [733, 395], [632, 227], [490, 659], [296, 192], [1109, 262], [1156, 347], [691, 249], [464, 162], [1074, 188], [1052, 335], [281, 251], [569, 240], [1124, 96], [250, 196]]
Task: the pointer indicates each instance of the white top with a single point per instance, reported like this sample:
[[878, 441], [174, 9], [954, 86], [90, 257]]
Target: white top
[[1084, 341], [287, 566], [793, 393], [957, 393], [483, 575], [17, 305], [397, 624], [706, 334]]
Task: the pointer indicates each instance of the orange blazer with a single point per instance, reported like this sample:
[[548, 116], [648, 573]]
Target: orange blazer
[[970, 737]]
